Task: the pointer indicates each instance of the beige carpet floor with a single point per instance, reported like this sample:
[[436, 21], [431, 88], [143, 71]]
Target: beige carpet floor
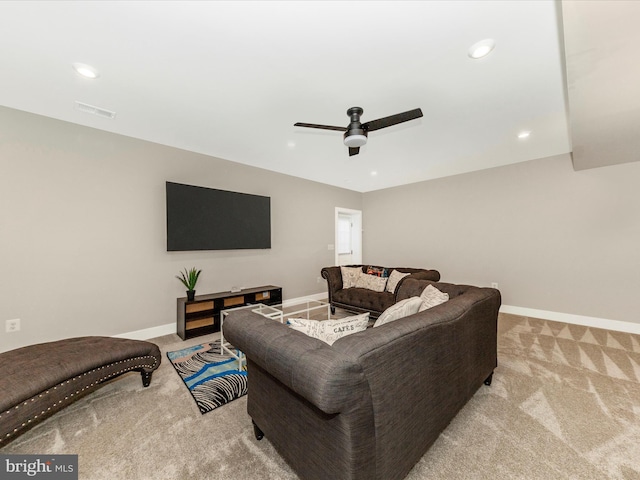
[[564, 404]]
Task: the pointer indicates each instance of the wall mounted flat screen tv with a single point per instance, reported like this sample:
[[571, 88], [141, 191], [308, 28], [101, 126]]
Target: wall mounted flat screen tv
[[200, 218]]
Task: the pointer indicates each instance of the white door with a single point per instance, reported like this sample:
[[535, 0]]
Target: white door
[[345, 239], [348, 236]]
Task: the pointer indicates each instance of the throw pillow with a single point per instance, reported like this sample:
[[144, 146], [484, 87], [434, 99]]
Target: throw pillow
[[372, 282], [378, 271], [394, 278], [350, 276], [403, 308], [431, 297], [330, 330]]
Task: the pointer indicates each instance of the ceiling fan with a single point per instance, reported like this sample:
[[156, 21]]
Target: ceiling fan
[[355, 134]]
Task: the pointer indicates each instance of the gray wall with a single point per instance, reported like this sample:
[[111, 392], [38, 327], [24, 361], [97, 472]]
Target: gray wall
[[82, 232], [553, 239], [83, 241]]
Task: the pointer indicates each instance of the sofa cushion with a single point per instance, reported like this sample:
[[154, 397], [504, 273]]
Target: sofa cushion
[[371, 282], [330, 330], [431, 297], [403, 308], [350, 276], [393, 280]]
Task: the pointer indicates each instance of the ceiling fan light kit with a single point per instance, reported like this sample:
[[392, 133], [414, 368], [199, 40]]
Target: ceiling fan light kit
[[356, 133], [354, 141]]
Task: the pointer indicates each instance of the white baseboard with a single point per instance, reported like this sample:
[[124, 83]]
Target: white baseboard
[[315, 296], [170, 328], [148, 333], [616, 325]]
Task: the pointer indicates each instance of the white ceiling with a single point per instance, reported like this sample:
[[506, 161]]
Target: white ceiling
[[229, 79]]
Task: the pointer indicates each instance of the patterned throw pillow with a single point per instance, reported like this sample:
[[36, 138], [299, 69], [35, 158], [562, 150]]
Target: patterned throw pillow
[[330, 330], [431, 297], [403, 308], [394, 278], [350, 276], [378, 271], [372, 282]]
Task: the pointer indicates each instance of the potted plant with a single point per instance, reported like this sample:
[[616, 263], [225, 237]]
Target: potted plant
[[189, 278]]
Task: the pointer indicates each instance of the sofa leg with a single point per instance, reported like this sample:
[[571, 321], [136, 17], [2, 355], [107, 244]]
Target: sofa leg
[[487, 381], [333, 310], [146, 378], [257, 432]]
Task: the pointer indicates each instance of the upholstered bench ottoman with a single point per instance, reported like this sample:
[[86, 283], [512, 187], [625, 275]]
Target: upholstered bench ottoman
[[38, 380]]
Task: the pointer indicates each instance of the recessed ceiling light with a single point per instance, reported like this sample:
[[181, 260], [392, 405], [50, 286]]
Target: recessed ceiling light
[[291, 144], [523, 135], [374, 173], [87, 71], [482, 48]]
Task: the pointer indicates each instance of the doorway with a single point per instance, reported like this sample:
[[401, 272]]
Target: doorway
[[348, 246]]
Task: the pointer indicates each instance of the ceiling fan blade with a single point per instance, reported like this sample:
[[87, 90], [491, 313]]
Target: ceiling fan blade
[[392, 120], [354, 151], [323, 127]]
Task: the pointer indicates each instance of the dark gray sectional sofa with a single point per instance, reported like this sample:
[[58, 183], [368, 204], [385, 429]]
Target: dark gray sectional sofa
[[364, 300], [369, 406]]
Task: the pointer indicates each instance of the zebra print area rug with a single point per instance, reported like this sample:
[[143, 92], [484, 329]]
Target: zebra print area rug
[[212, 378]]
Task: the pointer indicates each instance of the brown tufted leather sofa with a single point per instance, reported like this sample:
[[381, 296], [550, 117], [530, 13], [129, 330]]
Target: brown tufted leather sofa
[[39, 380], [363, 300]]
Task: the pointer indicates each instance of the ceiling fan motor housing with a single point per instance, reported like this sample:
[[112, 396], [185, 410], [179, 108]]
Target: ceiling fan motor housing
[[355, 136]]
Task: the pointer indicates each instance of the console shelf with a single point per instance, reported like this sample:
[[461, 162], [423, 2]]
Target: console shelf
[[202, 315]]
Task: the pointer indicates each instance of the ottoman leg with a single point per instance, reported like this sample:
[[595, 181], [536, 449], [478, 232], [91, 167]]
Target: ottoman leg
[[146, 378]]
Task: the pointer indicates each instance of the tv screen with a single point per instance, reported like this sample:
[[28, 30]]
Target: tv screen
[[200, 218]]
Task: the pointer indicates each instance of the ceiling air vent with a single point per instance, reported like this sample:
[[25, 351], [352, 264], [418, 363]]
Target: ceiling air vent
[[101, 112]]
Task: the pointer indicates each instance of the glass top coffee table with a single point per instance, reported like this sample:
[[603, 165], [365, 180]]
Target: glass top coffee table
[[317, 309]]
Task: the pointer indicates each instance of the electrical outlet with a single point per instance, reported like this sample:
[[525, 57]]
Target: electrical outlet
[[319, 279], [13, 325], [494, 285]]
